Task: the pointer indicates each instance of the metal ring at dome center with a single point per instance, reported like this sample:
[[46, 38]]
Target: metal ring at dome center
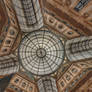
[[41, 52]]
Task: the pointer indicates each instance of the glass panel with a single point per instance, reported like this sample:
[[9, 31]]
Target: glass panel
[[81, 4]]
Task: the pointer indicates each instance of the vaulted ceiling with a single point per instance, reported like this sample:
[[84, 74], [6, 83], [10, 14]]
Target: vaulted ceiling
[[46, 45]]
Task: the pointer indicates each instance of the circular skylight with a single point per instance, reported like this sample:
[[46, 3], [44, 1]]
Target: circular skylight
[[41, 52]]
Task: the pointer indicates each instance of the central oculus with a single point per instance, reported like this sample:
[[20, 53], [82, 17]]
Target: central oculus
[[41, 52]]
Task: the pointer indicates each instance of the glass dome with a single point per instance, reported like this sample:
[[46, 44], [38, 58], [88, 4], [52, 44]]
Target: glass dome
[[41, 52]]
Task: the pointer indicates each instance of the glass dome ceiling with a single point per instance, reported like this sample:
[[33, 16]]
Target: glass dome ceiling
[[41, 52]]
